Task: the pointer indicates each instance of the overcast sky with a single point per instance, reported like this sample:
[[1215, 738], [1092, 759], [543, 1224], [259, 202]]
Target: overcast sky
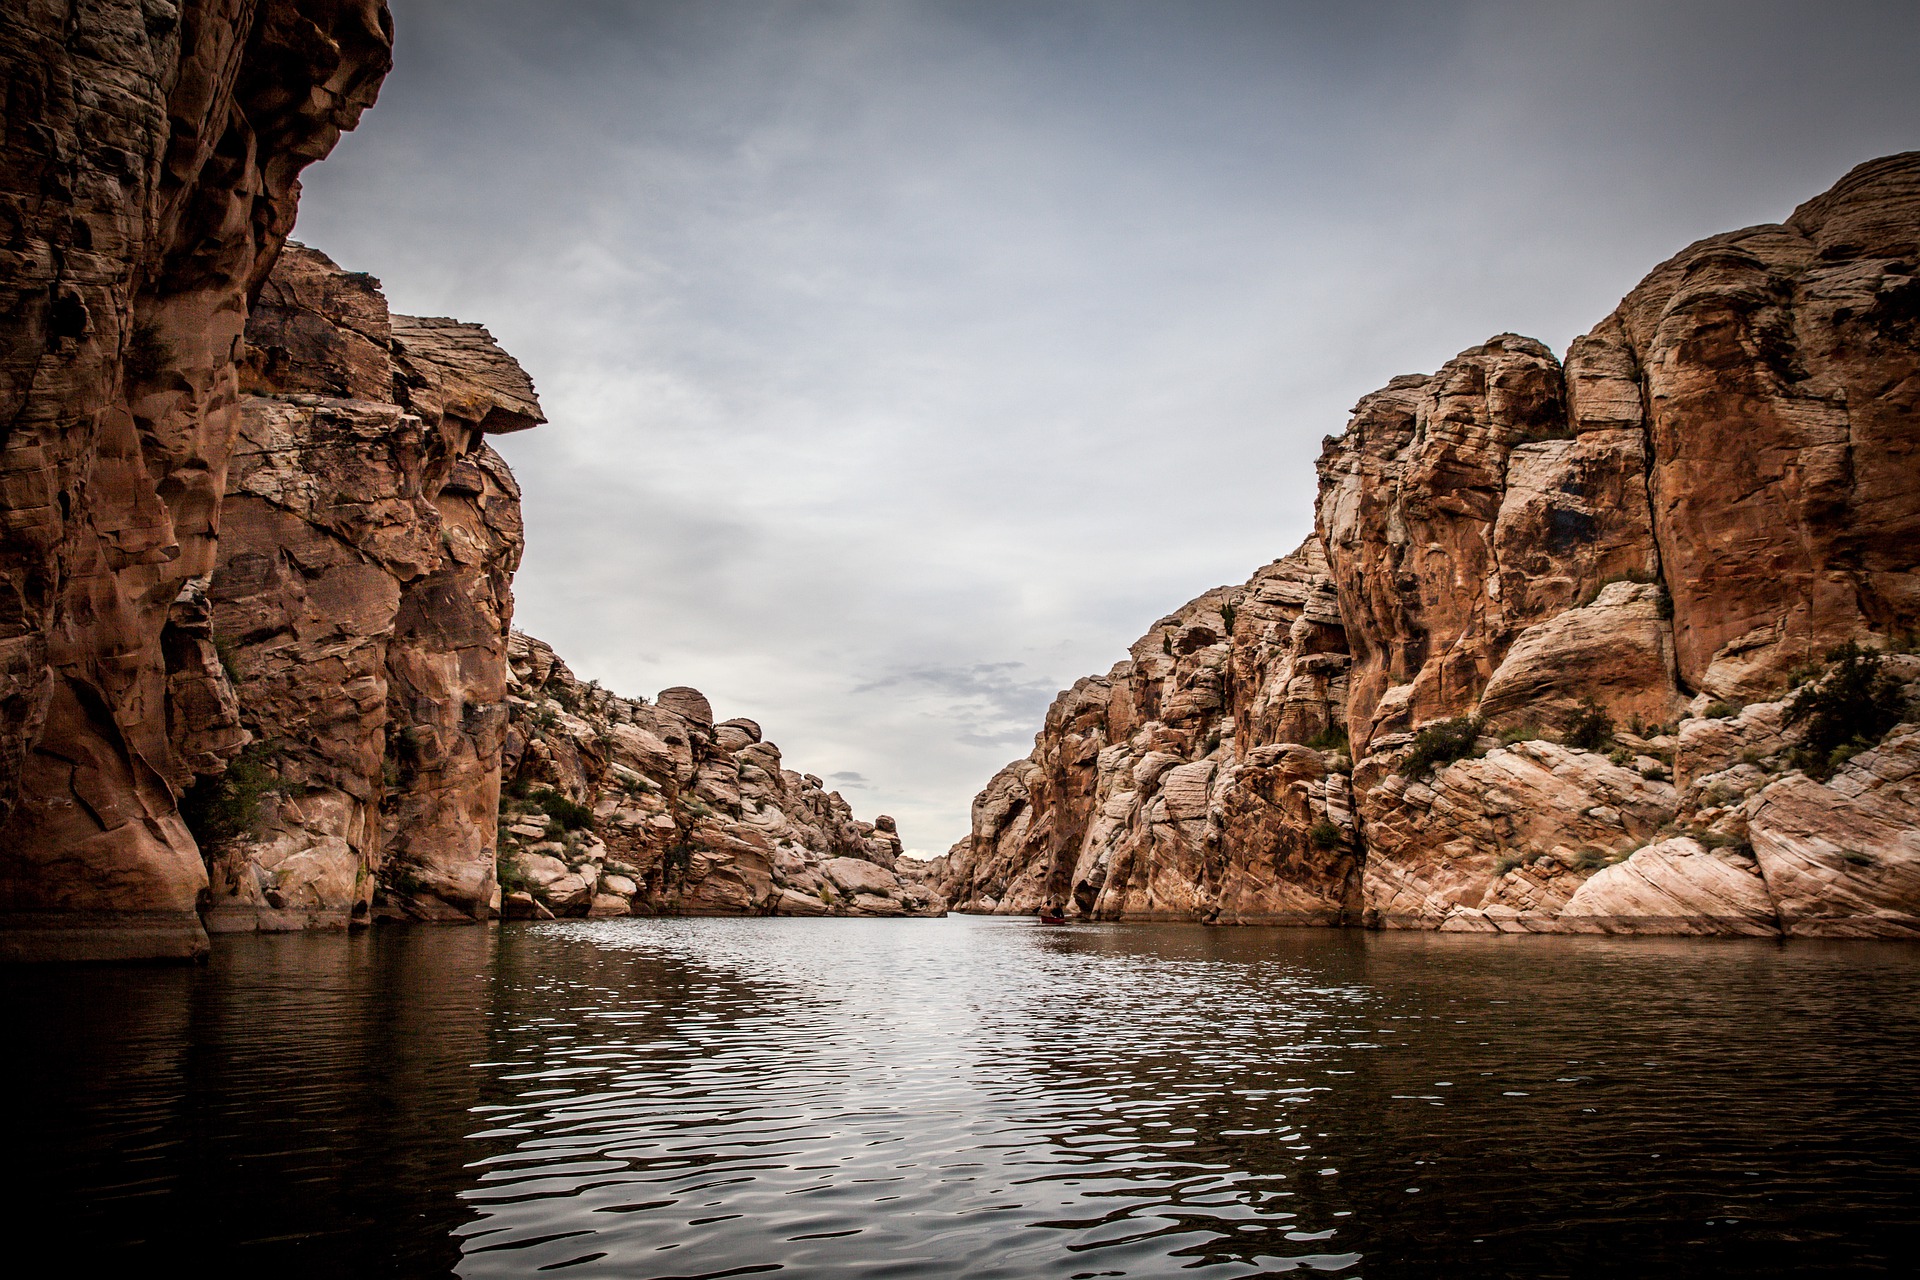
[[906, 361]]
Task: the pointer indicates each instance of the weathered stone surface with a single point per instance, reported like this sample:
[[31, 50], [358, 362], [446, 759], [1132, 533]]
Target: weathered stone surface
[[1842, 858], [1145, 798], [148, 175], [687, 817], [362, 600], [1616, 651], [1677, 886], [1718, 486], [1515, 831]]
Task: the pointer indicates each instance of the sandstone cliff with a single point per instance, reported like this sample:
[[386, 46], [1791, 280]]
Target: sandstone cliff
[[616, 806], [361, 607], [148, 175], [1550, 660]]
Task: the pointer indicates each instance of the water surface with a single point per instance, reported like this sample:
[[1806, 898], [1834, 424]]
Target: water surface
[[969, 1097]]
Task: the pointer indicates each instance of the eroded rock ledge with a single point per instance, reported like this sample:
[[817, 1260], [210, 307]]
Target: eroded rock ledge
[[1663, 537]]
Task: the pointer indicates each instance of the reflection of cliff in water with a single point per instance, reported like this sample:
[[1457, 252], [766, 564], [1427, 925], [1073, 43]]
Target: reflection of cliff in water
[[300, 1103]]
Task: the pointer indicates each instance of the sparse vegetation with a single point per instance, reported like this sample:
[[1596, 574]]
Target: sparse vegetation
[[1439, 745], [511, 875], [1331, 738], [1324, 835], [1722, 710], [227, 806], [1591, 728], [1519, 733], [223, 650], [569, 815], [1166, 643], [1227, 615], [1847, 711], [1506, 862]]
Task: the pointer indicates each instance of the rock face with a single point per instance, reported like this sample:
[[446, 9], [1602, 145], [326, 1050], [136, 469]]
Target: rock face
[[148, 176], [1598, 582], [1179, 785], [614, 806], [362, 603]]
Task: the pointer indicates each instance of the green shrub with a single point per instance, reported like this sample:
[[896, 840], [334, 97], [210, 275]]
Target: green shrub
[[1166, 643], [570, 816], [1227, 615], [1324, 835], [1722, 710], [226, 806], [1620, 756], [1846, 712], [1440, 744], [1505, 863], [1591, 728], [511, 876], [1331, 738], [1519, 733]]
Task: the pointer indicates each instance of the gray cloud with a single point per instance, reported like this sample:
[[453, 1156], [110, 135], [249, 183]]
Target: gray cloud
[[906, 361]]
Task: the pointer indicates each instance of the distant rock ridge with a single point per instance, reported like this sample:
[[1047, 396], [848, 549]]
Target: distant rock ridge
[[1536, 670], [688, 817]]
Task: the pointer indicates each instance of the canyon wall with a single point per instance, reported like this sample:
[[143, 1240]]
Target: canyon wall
[[148, 176], [361, 608], [616, 806], [1554, 657]]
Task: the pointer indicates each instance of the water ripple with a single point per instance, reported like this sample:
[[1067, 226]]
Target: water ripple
[[979, 1098]]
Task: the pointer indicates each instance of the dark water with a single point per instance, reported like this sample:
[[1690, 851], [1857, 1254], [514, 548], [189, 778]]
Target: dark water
[[972, 1098]]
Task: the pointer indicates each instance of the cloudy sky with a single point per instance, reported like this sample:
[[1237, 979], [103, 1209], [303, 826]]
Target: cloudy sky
[[906, 360]]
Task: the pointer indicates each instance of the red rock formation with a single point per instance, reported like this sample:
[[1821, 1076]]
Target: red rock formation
[[363, 600], [1175, 787], [148, 175], [675, 814], [1721, 485]]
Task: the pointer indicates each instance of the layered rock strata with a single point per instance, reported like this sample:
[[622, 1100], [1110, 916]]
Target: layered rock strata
[[616, 806], [148, 176], [1600, 581], [361, 605]]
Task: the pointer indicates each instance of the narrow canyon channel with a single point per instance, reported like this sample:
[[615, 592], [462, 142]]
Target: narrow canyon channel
[[974, 1097]]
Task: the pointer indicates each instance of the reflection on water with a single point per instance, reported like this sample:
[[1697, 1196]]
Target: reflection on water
[[976, 1098]]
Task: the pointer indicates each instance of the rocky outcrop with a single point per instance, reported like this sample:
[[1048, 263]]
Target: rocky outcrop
[[1203, 778], [615, 806], [1541, 596], [148, 175], [361, 605]]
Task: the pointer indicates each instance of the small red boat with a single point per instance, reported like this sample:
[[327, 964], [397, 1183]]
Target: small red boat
[[1048, 917]]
